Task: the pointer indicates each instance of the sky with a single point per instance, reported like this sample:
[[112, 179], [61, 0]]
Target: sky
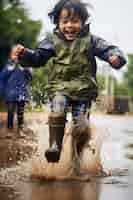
[[111, 19]]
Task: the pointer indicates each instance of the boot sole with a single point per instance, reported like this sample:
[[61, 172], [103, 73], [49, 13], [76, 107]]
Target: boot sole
[[52, 156]]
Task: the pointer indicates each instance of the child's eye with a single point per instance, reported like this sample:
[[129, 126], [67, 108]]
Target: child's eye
[[65, 21], [75, 20], [72, 21]]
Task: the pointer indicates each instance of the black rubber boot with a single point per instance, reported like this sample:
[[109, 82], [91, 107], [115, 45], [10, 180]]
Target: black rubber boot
[[10, 120], [20, 115], [56, 133], [81, 134]]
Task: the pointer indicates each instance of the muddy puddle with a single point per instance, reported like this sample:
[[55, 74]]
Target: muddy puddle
[[25, 174]]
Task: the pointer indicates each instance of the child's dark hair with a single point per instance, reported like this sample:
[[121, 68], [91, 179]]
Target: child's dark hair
[[76, 5]]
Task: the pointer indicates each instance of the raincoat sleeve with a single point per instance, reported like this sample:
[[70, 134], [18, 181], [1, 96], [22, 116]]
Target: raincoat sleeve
[[2, 85], [103, 50], [40, 56], [28, 72], [4, 75]]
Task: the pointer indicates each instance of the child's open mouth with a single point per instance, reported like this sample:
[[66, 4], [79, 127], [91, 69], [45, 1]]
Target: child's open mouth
[[70, 34]]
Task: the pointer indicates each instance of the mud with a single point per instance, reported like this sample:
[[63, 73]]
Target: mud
[[25, 174]]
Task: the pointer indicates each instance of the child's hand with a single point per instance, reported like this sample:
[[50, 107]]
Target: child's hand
[[17, 52], [114, 61]]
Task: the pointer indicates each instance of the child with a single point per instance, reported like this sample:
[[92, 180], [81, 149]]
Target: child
[[71, 51], [16, 80]]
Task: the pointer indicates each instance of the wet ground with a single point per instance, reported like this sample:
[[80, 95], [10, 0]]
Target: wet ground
[[25, 175]]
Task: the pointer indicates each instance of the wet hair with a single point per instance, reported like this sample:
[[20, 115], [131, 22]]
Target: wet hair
[[76, 6]]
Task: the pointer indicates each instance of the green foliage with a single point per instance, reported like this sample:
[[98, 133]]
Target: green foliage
[[38, 85], [16, 27], [128, 75], [101, 82], [121, 89]]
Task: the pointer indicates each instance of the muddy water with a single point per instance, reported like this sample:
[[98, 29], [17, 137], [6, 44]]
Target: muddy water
[[24, 173]]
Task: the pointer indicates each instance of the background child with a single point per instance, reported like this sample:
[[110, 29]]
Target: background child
[[71, 51], [16, 80]]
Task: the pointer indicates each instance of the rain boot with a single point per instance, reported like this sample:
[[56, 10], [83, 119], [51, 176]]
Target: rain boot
[[20, 115], [20, 119], [80, 133], [56, 133], [10, 120], [10, 125]]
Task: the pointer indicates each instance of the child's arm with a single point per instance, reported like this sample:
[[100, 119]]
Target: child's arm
[[107, 52], [37, 58]]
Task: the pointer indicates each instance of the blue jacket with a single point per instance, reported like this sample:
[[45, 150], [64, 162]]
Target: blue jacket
[[14, 79], [4, 74]]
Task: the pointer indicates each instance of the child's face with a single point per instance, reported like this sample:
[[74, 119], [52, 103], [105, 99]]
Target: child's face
[[69, 24]]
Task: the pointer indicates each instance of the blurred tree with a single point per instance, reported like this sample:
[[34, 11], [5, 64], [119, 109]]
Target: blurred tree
[[128, 75], [16, 27], [38, 89], [101, 83], [121, 89]]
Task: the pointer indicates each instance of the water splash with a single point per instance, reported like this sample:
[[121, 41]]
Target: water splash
[[90, 162], [93, 163]]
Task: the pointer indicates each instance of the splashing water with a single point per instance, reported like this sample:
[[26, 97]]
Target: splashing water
[[90, 162]]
